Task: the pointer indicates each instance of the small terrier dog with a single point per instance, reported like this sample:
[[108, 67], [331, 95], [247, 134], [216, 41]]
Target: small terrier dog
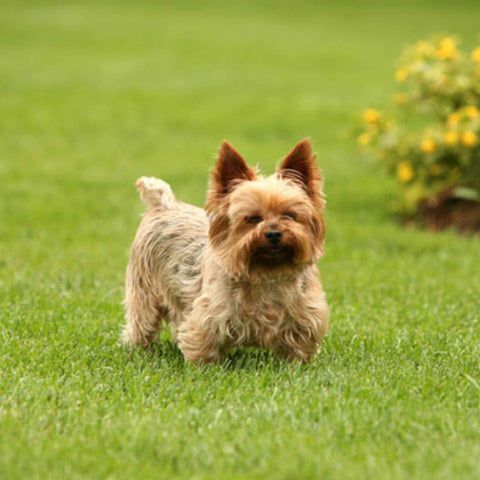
[[242, 271]]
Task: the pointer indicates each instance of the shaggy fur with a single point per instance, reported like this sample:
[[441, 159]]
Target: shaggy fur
[[222, 277]]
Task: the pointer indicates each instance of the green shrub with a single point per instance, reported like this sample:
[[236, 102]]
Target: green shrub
[[430, 137]]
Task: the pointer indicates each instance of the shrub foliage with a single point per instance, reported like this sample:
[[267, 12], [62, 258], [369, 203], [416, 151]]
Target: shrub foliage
[[429, 138]]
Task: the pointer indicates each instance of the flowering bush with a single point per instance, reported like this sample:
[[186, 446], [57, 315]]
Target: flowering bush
[[430, 139]]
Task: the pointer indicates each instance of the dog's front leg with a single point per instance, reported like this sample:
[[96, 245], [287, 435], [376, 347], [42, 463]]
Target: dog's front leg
[[203, 337], [309, 326]]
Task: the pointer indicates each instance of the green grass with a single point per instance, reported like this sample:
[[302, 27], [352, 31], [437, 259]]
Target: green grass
[[94, 95]]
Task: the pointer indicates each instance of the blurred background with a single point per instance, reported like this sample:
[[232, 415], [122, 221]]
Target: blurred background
[[94, 94]]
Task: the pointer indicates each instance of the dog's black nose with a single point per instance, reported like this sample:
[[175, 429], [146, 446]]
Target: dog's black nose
[[274, 236]]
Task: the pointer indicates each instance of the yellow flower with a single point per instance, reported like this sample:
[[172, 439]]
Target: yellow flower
[[454, 118], [435, 170], [447, 49], [472, 111], [428, 145], [405, 171], [476, 55], [401, 75], [447, 42], [451, 138], [469, 138], [364, 139], [400, 98], [371, 115]]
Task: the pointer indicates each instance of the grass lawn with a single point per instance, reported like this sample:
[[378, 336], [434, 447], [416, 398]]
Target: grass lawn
[[94, 95]]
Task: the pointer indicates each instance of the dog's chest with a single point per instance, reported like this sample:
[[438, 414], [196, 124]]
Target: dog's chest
[[261, 318]]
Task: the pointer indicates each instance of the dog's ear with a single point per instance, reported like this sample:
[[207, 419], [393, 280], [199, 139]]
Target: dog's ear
[[300, 166], [229, 170]]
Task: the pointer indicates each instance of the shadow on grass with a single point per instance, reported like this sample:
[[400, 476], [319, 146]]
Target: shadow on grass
[[166, 353]]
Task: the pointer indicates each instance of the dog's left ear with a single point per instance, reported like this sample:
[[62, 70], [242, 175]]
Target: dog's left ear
[[229, 170], [300, 166]]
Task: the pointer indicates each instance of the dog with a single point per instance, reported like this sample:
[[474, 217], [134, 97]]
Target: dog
[[242, 271]]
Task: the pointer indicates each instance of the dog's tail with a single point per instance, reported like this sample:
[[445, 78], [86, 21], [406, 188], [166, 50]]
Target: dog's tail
[[155, 193]]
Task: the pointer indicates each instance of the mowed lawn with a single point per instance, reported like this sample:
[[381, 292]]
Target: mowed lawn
[[93, 95]]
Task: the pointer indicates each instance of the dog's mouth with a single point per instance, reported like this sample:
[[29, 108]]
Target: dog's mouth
[[272, 257]]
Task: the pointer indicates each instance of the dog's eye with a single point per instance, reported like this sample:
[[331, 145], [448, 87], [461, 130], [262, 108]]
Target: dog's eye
[[289, 216], [254, 219]]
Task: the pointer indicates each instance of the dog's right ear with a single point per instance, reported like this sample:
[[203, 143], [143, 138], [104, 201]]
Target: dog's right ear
[[229, 170]]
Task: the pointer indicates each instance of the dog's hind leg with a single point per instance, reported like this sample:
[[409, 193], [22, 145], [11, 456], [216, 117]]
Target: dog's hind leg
[[144, 312]]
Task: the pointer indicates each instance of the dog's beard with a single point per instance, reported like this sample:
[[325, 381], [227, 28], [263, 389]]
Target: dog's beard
[[272, 257], [252, 255]]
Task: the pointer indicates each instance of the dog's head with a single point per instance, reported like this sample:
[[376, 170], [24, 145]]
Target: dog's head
[[266, 224]]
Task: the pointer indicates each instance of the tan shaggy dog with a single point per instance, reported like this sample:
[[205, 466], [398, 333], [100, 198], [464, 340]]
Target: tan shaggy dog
[[241, 272]]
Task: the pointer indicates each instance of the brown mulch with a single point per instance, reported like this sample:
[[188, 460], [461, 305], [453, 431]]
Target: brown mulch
[[445, 211]]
